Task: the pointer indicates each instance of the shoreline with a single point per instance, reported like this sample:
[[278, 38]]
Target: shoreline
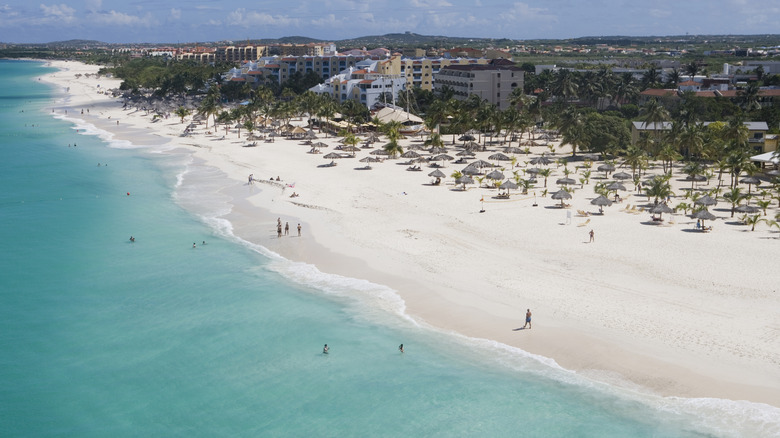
[[618, 310]]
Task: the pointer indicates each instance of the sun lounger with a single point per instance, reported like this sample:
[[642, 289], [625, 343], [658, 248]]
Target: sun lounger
[[582, 213], [584, 223]]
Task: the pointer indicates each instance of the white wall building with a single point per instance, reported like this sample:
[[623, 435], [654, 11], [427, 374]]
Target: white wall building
[[364, 84]]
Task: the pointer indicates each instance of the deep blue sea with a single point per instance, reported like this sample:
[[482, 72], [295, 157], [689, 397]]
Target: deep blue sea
[[103, 337]]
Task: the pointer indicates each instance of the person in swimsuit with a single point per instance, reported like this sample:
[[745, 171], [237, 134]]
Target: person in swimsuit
[[325, 349], [527, 319]]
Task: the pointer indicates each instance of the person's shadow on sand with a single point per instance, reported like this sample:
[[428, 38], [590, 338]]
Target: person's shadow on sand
[[518, 329]]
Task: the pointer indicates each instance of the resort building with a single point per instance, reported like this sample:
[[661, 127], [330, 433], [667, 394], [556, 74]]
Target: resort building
[[369, 82], [420, 72], [492, 82]]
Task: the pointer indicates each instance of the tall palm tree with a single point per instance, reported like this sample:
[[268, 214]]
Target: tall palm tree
[[692, 69], [658, 188], [572, 126], [651, 78], [668, 154], [673, 78], [636, 159], [734, 196], [748, 97], [692, 140], [625, 89], [211, 105], [565, 85]]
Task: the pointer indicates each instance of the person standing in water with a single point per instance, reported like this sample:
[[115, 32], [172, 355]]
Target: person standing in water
[[401, 348], [325, 349]]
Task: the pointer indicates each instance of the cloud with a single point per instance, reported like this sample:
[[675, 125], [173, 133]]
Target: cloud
[[93, 5], [61, 13], [660, 13], [524, 12], [114, 18], [243, 18], [430, 4], [175, 13]]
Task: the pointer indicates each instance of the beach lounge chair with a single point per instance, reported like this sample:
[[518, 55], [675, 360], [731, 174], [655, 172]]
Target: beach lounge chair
[[626, 208], [582, 213], [584, 223]]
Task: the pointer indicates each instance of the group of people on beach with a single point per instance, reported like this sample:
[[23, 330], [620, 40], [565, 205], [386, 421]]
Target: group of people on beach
[[286, 228], [326, 349]]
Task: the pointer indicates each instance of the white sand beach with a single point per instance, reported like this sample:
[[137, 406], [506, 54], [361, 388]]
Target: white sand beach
[[658, 305]]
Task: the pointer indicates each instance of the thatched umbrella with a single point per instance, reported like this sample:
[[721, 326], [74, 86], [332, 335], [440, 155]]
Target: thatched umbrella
[[703, 214], [561, 195], [565, 181], [437, 174], [332, 156], [464, 180], [410, 154], [706, 200], [660, 209], [750, 180], [602, 202], [471, 170], [496, 175], [622, 175], [442, 157], [748, 209], [370, 160], [615, 186], [544, 161], [606, 168], [508, 184], [499, 157], [481, 163], [465, 153]]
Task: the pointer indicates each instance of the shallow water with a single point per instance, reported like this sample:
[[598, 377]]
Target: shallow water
[[104, 337]]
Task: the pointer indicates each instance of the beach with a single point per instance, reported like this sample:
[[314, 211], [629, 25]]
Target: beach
[[652, 307]]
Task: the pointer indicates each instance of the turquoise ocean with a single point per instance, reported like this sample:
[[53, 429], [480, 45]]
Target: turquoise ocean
[[103, 337]]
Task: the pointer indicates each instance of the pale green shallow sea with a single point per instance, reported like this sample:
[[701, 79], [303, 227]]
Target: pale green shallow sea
[[103, 337]]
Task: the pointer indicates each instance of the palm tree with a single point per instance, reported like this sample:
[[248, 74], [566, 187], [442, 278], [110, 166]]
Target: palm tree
[[651, 78], [692, 139], [210, 105], [753, 220], [565, 85], [182, 112], [545, 173], [572, 126], [668, 155], [734, 196], [673, 78], [748, 97], [434, 140], [658, 188], [625, 89], [635, 159], [691, 69]]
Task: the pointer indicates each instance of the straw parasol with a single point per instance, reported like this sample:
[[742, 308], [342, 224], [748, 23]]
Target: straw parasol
[[622, 175], [561, 195], [496, 175], [508, 184], [437, 174], [544, 161], [750, 180], [706, 200], [601, 201], [565, 181], [499, 157]]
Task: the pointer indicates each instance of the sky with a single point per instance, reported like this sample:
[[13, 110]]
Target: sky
[[179, 21]]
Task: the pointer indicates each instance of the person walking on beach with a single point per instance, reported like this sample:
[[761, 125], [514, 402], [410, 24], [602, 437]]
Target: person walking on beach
[[325, 349], [591, 236], [527, 318], [299, 230], [286, 228]]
